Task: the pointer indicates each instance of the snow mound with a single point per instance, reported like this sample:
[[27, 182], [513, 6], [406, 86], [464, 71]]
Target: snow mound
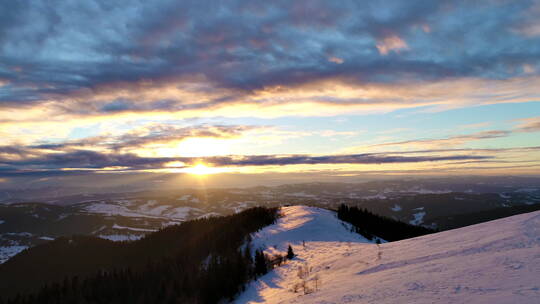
[[493, 262]]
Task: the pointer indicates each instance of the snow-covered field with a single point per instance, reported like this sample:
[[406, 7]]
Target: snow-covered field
[[149, 209], [493, 262]]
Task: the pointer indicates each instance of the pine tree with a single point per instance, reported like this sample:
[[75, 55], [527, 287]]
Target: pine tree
[[260, 263], [290, 253]]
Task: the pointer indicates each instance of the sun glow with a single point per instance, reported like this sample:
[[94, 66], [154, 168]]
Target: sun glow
[[202, 169], [200, 146]]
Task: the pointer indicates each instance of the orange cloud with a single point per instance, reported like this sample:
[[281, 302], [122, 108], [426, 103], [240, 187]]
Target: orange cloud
[[57, 116], [529, 125], [391, 43], [336, 60]]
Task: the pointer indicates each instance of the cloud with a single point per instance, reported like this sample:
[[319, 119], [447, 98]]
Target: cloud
[[151, 134], [391, 43], [529, 125], [530, 25], [59, 55], [336, 60], [107, 69], [475, 125], [526, 125], [529, 68], [278, 160], [449, 141], [80, 160]]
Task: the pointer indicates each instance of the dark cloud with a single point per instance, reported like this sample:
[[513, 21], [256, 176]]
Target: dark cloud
[[84, 159], [370, 158], [52, 50]]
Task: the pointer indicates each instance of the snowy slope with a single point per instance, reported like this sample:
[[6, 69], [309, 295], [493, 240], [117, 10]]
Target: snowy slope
[[493, 262]]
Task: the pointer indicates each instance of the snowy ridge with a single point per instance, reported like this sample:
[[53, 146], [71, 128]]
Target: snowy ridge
[[300, 224], [493, 262]]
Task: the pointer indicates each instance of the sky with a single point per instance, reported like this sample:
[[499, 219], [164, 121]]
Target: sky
[[320, 88]]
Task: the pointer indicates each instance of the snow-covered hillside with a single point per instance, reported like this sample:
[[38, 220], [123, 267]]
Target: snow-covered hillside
[[493, 262]]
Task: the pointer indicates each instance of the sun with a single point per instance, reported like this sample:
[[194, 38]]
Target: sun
[[202, 169]]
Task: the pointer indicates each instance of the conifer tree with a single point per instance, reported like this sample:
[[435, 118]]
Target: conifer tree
[[260, 263], [290, 253]]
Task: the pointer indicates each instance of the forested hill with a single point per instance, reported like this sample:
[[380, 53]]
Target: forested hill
[[371, 225], [199, 261]]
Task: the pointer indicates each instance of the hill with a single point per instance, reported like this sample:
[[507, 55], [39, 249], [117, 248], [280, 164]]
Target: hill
[[29, 218], [492, 262], [200, 261]]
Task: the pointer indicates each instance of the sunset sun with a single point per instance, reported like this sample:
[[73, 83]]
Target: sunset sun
[[202, 169]]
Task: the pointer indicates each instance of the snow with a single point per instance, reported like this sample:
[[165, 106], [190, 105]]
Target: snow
[[157, 211], [418, 218], [424, 191], [121, 237], [20, 234], [182, 212], [115, 226], [46, 238], [151, 209], [184, 197], [493, 262], [61, 217], [112, 209], [6, 252], [396, 208], [240, 206], [303, 224], [210, 214], [189, 197], [377, 196], [302, 194]]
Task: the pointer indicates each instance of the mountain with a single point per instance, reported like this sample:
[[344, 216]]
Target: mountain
[[31, 218], [492, 262], [210, 260]]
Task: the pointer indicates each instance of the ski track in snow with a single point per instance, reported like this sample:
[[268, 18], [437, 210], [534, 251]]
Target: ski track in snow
[[493, 262]]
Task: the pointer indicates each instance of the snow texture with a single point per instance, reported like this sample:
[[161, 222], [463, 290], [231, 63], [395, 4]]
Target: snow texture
[[493, 262], [150, 209], [121, 237], [418, 218], [115, 226], [6, 252]]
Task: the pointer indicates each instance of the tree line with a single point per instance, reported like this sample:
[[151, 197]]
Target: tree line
[[371, 225]]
